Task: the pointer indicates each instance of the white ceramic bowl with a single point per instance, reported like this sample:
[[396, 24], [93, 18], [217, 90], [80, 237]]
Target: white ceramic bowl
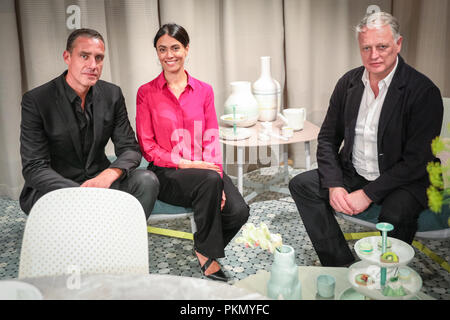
[[229, 120]]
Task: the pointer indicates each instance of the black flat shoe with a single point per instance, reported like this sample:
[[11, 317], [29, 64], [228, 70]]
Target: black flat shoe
[[219, 275]]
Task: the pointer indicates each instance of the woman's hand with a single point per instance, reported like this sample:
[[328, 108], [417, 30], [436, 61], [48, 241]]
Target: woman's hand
[[222, 203], [186, 164]]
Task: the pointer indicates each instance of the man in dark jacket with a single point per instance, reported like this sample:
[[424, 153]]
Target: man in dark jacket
[[66, 124], [386, 114]]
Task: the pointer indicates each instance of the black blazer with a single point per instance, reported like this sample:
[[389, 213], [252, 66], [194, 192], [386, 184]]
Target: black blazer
[[50, 139], [410, 118]]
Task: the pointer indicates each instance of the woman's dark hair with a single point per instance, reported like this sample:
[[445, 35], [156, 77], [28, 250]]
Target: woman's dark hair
[[88, 33], [175, 31]]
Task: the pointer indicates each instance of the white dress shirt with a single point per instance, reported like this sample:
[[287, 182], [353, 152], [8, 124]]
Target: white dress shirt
[[365, 150]]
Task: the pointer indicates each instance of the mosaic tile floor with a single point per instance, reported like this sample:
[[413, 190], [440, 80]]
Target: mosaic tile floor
[[174, 256]]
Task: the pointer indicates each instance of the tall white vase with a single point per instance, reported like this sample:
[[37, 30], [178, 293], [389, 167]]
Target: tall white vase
[[267, 92], [242, 98]]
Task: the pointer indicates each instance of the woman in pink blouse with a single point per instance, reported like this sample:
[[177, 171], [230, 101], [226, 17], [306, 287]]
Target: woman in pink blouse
[[177, 130]]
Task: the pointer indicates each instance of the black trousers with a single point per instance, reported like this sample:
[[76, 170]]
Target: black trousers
[[201, 190], [399, 208], [143, 185]]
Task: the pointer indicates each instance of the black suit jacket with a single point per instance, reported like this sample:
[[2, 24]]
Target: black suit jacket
[[50, 139], [410, 118]]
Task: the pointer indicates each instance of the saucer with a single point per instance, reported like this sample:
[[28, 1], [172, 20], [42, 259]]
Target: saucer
[[351, 294], [241, 133]]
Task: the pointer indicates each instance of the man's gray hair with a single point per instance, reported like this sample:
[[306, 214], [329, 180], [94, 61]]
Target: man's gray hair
[[378, 20]]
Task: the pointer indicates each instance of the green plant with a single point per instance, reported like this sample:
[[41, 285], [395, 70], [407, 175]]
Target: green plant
[[438, 194]]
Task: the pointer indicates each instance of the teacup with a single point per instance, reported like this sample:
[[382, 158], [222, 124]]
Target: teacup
[[287, 132], [325, 286]]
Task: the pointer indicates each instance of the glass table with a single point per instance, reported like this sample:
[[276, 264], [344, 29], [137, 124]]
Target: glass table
[[307, 275]]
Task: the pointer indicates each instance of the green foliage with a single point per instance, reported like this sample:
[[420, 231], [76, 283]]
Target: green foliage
[[435, 172], [437, 145], [437, 194], [434, 199]]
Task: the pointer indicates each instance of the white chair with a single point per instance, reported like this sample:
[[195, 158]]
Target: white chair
[[85, 230]]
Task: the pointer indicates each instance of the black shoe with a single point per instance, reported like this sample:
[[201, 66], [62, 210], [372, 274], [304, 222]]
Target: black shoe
[[219, 275]]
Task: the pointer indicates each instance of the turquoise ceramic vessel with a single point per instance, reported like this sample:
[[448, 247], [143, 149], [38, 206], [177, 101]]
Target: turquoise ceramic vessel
[[284, 282]]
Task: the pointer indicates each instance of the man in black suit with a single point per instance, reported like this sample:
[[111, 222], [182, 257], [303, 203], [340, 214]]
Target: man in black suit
[[66, 124], [386, 113]]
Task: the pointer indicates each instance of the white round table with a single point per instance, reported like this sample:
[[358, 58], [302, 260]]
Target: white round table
[[309, 133]]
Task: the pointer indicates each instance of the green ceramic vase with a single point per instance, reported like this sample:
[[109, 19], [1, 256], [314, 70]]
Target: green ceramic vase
[[284, 282]]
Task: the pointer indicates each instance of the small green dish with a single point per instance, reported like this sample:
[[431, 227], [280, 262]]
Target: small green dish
[[351, 294]]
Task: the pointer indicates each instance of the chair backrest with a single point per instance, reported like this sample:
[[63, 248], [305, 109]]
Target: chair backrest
[[85, 230]]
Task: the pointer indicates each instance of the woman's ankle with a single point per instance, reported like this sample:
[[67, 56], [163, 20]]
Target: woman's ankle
[[213, 267]]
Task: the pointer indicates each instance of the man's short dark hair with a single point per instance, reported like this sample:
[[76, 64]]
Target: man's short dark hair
[[84, 32]]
